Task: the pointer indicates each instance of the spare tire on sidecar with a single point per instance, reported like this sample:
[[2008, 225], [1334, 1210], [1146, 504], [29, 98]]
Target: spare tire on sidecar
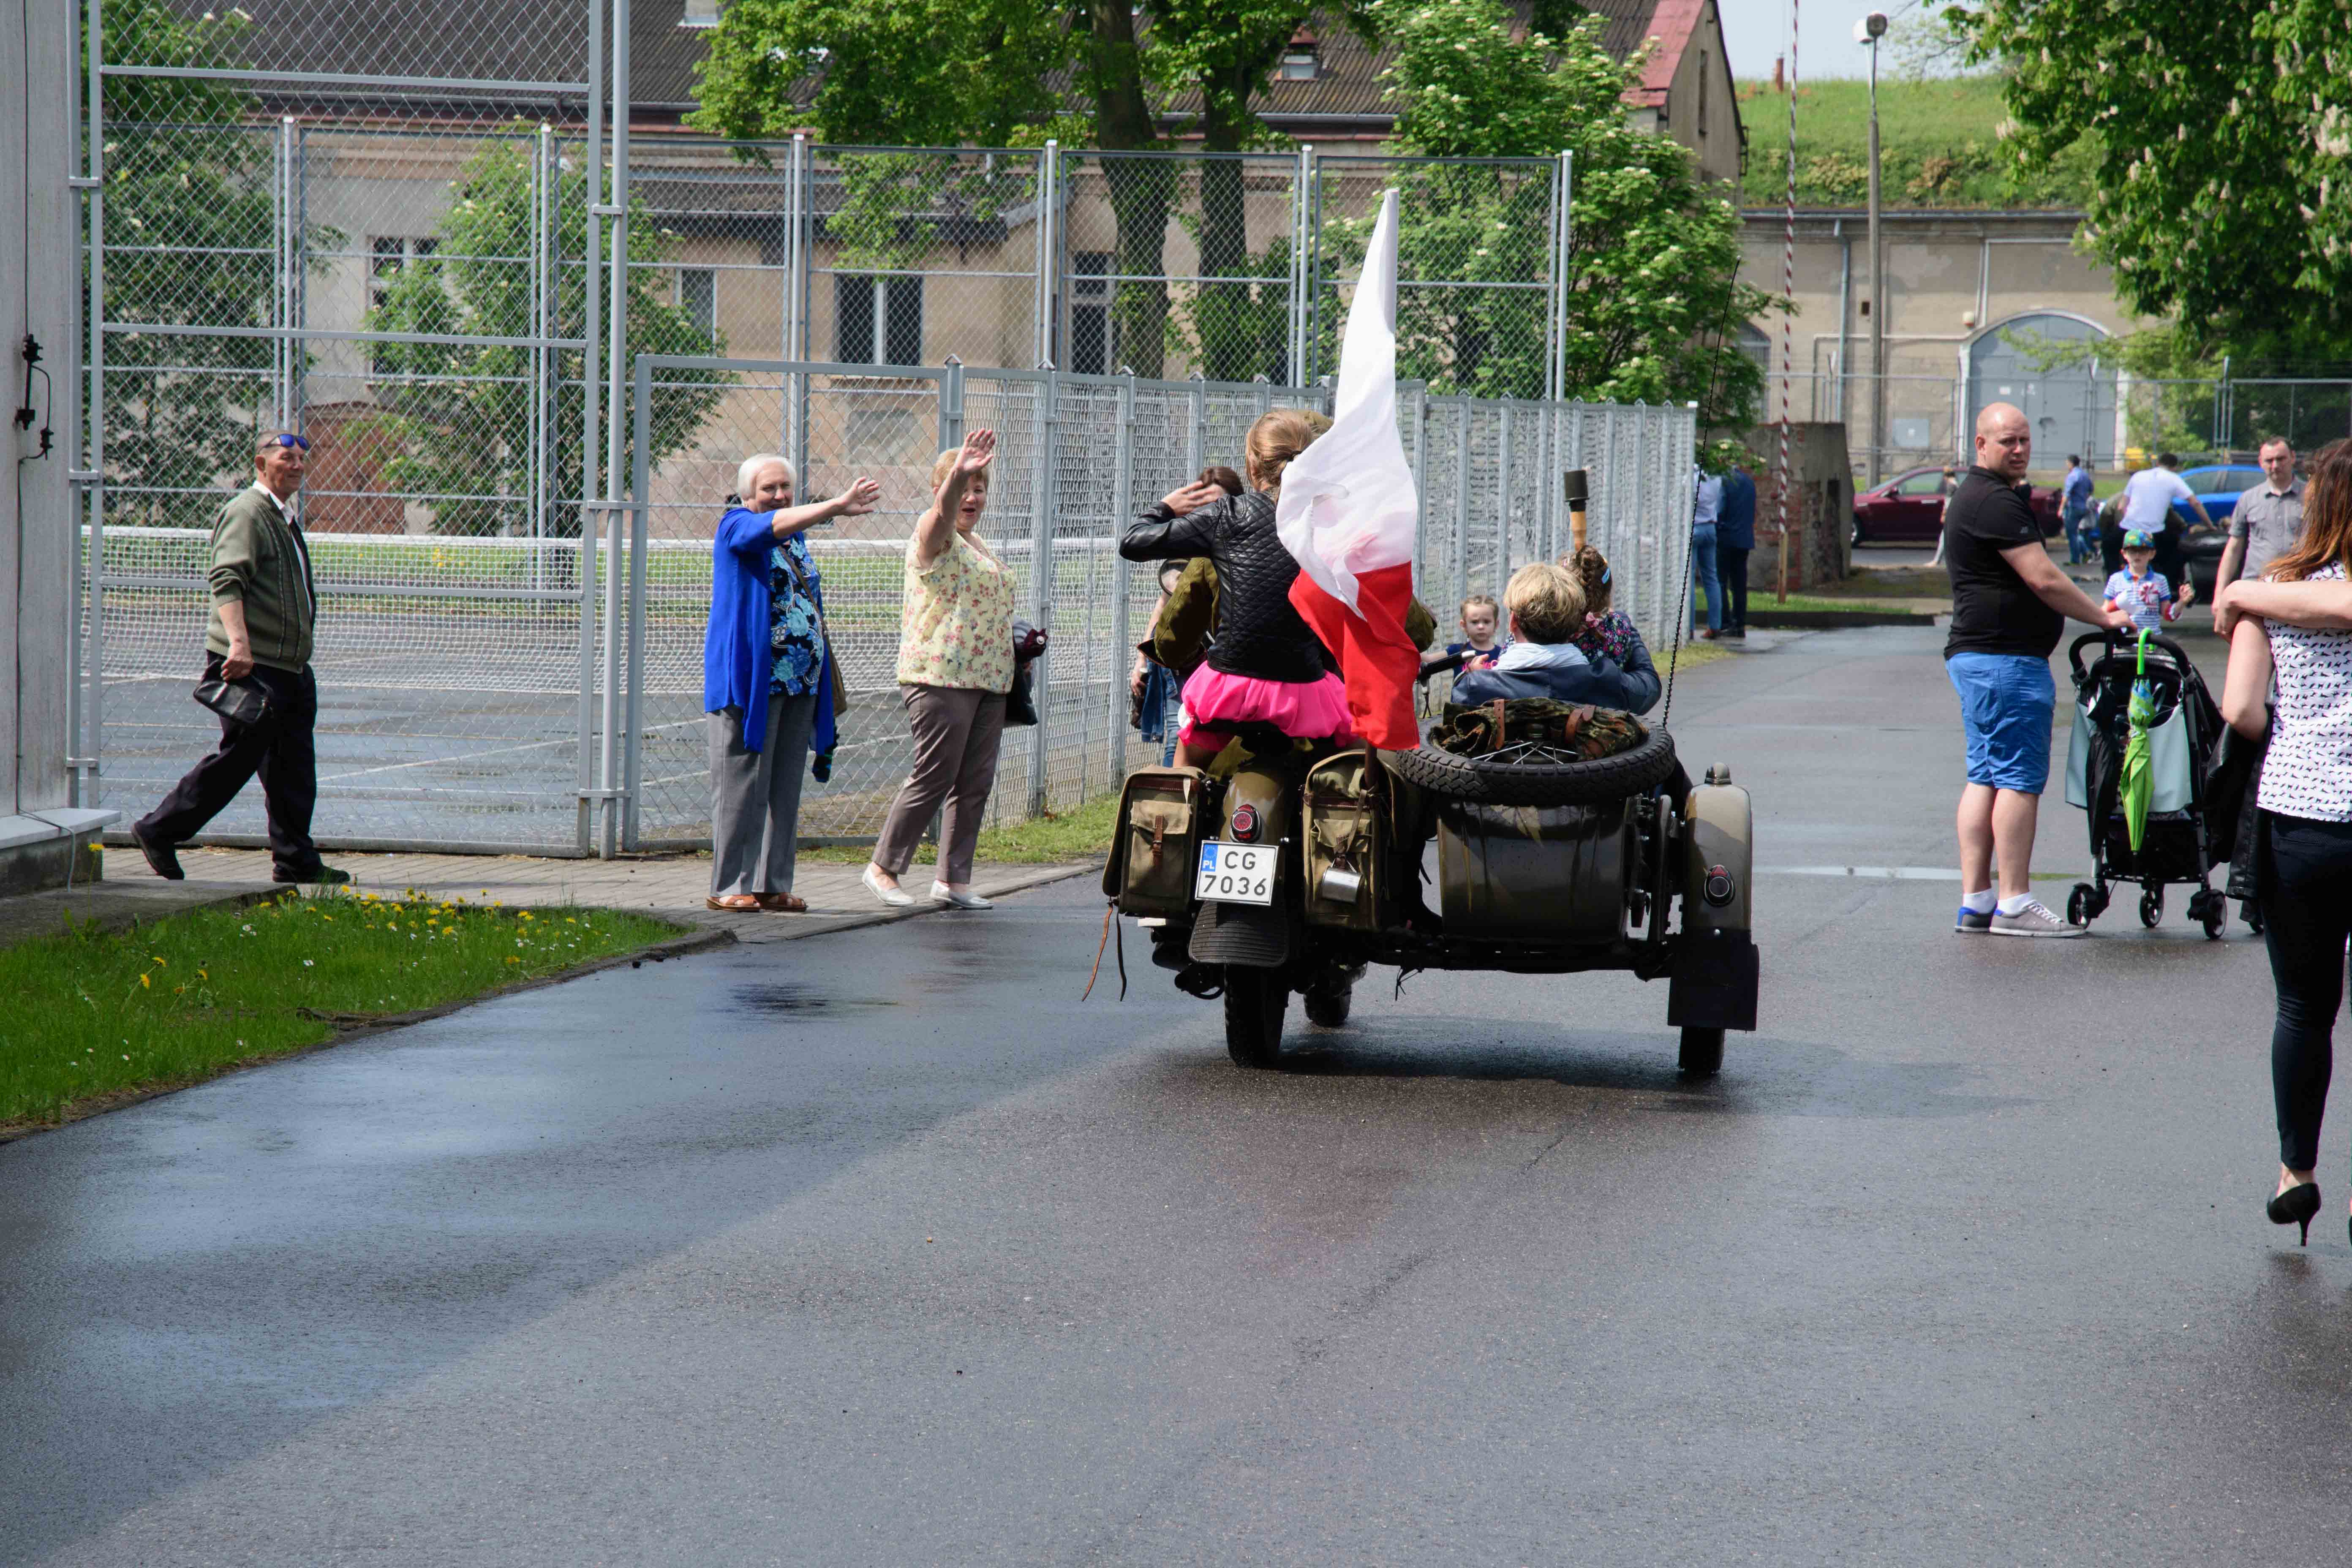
[[1510, 777]]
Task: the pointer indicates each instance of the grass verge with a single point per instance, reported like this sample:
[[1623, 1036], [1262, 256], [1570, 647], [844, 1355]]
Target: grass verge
[[1081, 833], [1760, 604], [98, 1015]]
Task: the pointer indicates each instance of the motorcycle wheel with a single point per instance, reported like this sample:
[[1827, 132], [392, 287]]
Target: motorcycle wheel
[[1326, 1006], [1256, 1000], [1702, 1053]]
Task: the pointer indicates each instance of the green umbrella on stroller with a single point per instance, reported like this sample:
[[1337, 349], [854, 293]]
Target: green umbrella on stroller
[[2137, 784]]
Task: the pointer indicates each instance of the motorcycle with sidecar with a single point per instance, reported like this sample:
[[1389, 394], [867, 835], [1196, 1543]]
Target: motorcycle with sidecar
[[1291, 867]]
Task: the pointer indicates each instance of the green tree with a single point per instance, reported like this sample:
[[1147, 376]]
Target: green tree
[[460, 413], [1095, 72], [2223, 139], [1654, 303], [191, 240]]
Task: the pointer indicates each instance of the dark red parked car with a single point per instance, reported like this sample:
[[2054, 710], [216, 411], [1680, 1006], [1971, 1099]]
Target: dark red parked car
[[1909, 509]]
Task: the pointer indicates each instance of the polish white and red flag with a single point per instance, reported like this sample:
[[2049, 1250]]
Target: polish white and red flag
[[1351, 515]]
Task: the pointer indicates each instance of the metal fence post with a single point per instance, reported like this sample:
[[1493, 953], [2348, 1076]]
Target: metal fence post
[[1121, 577], [1048, 292], [640, 496], [89, 785], [951, 404], [1460, 586], [1302, 187], [1041, 585], [1197, 438], [1503, 491], [1421, 484]]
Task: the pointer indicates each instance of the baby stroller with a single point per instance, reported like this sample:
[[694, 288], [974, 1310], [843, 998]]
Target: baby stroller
[[2184, 727]]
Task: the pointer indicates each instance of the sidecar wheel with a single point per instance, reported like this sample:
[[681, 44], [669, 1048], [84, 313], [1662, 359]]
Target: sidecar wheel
[[1255, 1002], [1702, 1053]]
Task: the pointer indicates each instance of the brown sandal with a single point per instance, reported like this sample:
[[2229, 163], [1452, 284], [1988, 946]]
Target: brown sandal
[[732, 903], [782, 903]]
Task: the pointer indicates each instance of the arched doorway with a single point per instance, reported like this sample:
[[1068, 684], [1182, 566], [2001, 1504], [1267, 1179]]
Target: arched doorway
[[2070, 406]]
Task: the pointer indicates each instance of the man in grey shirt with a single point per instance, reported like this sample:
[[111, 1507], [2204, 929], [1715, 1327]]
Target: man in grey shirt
[[2267, 520]]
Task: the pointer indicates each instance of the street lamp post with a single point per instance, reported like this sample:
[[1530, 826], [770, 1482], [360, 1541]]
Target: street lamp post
[[1869, 31]]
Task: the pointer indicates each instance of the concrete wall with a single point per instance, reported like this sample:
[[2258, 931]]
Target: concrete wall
[[1954, 279], [38, 533]]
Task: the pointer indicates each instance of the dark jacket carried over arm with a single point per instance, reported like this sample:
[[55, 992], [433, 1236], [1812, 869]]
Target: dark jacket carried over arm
[[1633, 688], [1258, 634]]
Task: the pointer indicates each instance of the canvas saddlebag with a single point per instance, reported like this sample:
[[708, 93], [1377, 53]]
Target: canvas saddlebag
[[1156, 848]]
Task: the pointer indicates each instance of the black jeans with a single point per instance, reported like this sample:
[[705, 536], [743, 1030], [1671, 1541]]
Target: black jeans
[[2307, 889], [1731, 566], [278, 749], [2170, 560]]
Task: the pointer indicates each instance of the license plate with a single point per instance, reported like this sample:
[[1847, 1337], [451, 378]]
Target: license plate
[[1235, 873]]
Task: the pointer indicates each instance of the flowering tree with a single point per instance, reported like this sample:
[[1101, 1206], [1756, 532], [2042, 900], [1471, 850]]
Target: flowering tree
[[1654, 303]]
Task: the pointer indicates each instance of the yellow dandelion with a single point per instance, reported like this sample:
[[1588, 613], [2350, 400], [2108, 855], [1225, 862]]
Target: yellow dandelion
[[143, 983]]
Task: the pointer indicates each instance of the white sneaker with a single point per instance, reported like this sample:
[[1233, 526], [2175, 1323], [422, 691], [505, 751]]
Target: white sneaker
[[2033, 920], [896, 898], [940, 892]]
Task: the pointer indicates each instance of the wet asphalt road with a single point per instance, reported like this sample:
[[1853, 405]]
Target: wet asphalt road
[[882, 1248]]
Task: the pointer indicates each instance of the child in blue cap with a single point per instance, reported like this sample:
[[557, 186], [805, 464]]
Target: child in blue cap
[[2142, 593]]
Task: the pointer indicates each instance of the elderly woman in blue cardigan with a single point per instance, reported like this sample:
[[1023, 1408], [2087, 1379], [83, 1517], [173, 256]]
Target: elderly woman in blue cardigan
[[767, 681]]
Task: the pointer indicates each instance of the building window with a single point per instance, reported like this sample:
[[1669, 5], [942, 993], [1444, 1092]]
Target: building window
[[387, 256], [1090, 344], [877, 320], [1298, 64], [701, 14], [1702, 95], [697, 296]]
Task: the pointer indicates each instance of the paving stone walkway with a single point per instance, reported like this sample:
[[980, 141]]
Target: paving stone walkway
[[670, 886]]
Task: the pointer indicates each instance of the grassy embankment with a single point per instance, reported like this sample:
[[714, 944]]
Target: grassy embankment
[[95, 1016], [1939, 146]]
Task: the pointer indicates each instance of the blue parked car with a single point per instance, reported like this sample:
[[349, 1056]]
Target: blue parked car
[[2217, 486]]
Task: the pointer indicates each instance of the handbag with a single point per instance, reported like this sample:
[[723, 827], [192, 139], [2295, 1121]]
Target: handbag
[[1021, 702], [832, 654], [238, 701]]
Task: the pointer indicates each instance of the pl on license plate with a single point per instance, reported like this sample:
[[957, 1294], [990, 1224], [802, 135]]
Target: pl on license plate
[[1235, 873]]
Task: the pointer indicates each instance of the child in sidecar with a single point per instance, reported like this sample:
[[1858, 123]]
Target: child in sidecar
[[1546, 603]]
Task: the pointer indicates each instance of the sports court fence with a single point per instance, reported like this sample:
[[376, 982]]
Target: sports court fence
[[528, 342], [545, 695]]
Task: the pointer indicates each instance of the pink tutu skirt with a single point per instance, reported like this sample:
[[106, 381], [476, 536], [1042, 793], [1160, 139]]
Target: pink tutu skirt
[[1215, 703]]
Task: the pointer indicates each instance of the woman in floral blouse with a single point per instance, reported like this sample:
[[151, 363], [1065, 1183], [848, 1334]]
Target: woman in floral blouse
[[955, 666], [767, 681]]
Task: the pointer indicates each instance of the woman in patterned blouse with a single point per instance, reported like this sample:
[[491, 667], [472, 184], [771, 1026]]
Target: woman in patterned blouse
[[767, 682], [955, 666], [2292, 632]]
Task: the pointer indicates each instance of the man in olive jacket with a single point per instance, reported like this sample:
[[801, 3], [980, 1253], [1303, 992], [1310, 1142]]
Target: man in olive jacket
[[265, 605]]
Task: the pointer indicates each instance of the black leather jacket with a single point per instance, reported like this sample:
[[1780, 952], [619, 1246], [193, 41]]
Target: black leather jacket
[[1258, 634]]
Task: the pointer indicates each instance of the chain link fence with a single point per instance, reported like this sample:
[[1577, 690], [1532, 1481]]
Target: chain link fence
[[528, 343]]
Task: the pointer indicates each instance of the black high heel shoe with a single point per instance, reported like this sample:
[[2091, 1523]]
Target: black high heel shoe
[[2295, 1206]]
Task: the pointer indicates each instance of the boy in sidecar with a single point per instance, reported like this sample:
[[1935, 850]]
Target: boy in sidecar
[[1545, 604]]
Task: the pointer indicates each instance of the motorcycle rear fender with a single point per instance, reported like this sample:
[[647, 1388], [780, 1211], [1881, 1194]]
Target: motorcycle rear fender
[[1260, 937]]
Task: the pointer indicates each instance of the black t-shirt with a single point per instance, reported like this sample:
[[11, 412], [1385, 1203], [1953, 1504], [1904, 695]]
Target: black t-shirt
[[1993, 610]]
